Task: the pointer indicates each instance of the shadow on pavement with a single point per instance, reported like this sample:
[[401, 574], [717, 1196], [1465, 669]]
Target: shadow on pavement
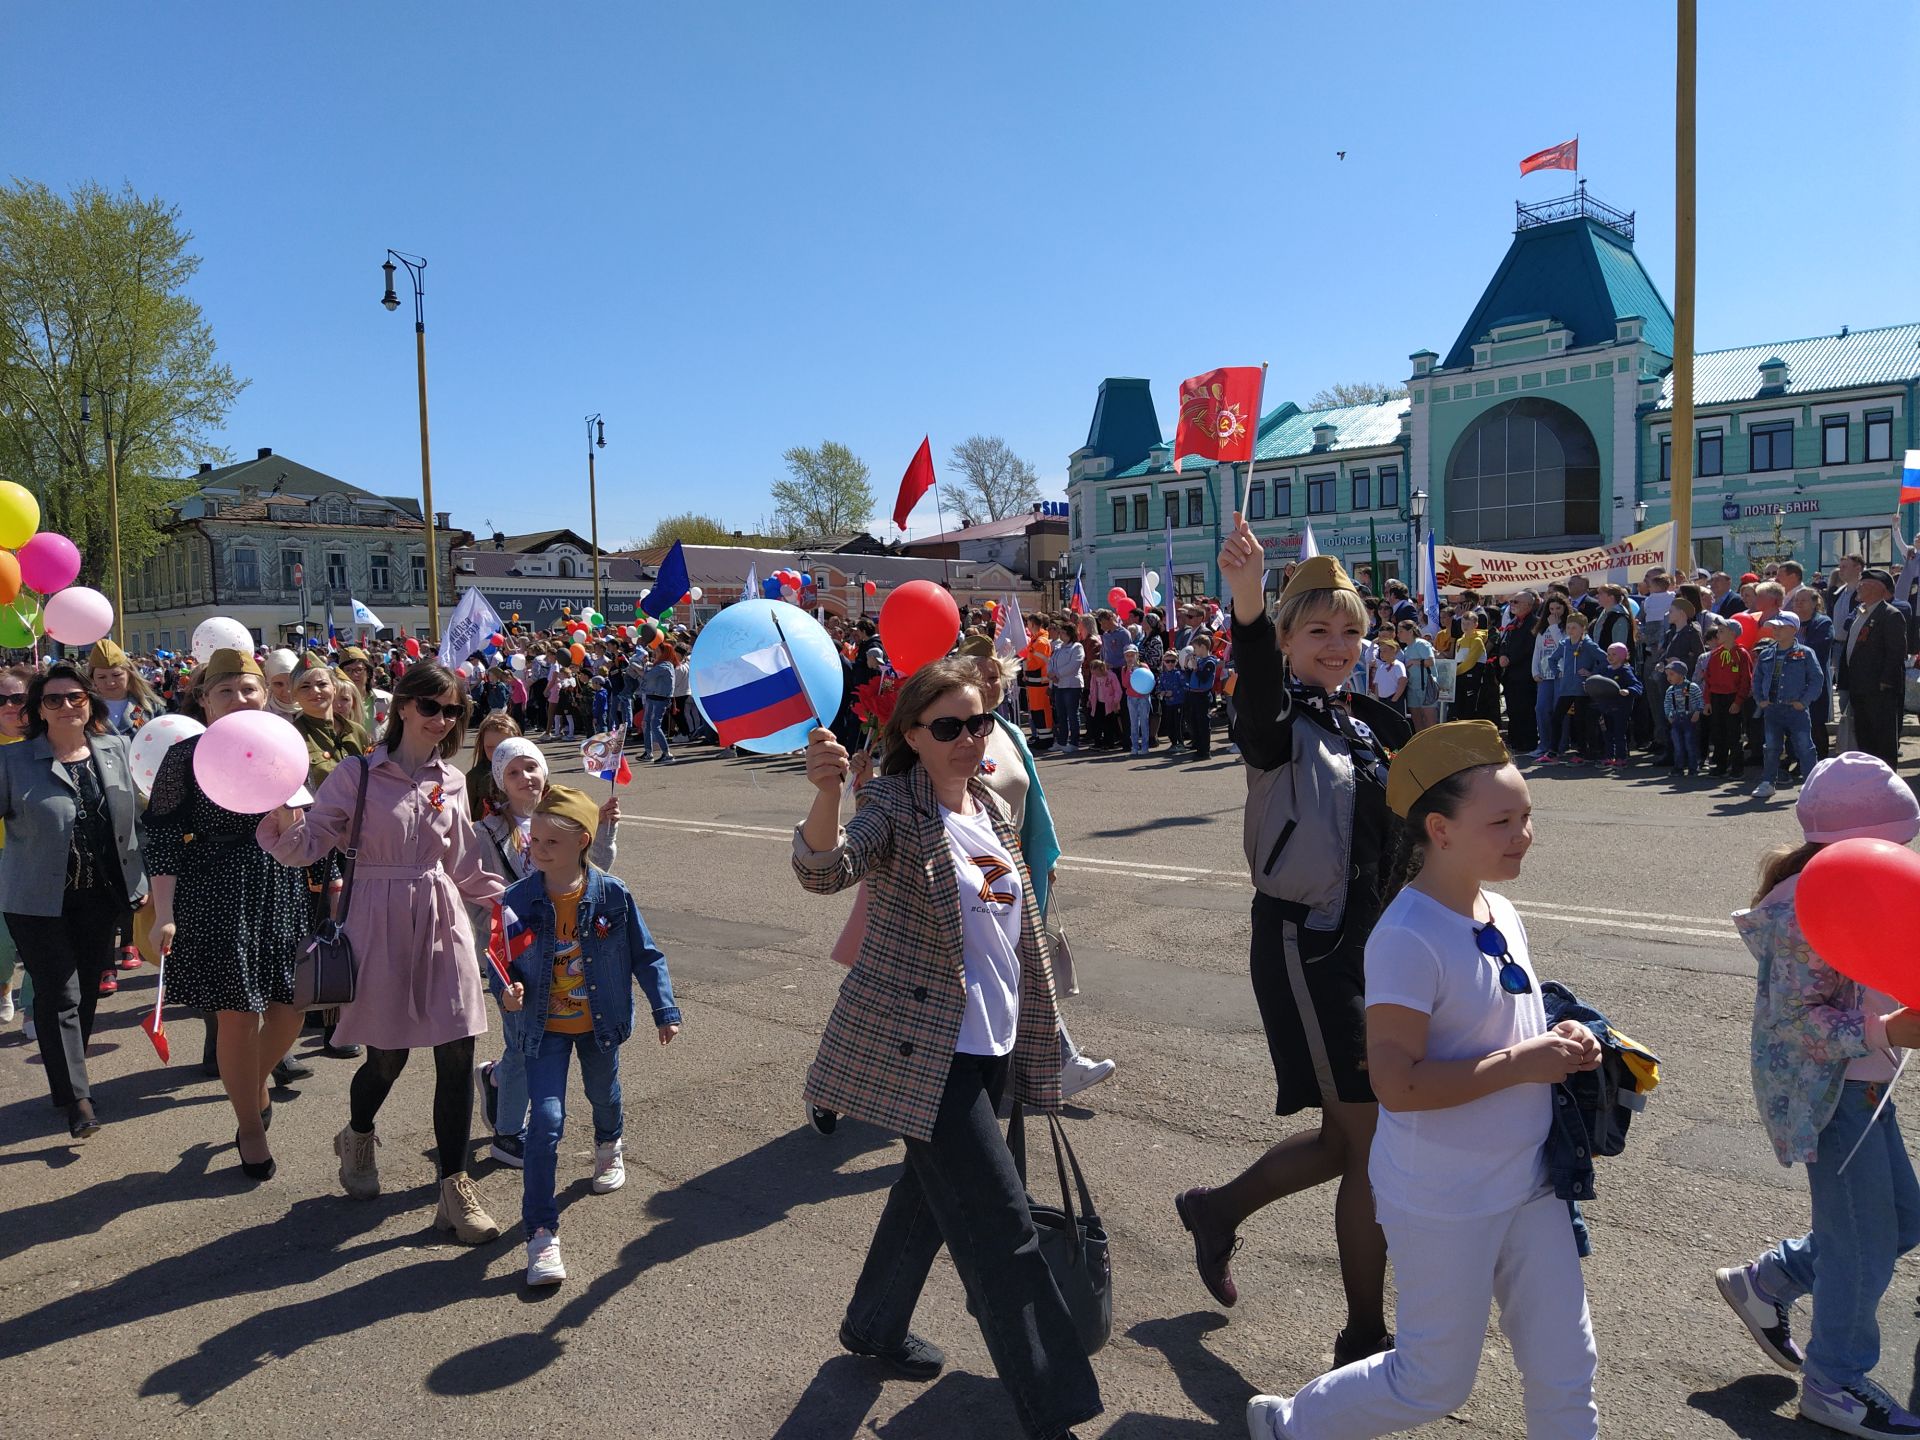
[[729, 1202], [1747, 1406], [835, 1402], [313, 1240]]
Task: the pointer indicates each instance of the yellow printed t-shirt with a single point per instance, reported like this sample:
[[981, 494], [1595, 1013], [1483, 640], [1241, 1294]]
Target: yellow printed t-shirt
[[567, 1001]]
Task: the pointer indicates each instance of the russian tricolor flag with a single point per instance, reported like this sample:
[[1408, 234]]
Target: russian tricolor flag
[[1910, 479], [757, 695], [1077, 600], [508, 937]]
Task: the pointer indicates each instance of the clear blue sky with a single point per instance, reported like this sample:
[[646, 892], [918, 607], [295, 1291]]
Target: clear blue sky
[[738, 227]]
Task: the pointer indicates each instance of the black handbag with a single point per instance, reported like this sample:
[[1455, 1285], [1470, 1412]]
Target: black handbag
[[1074, 1244], [326, 973]]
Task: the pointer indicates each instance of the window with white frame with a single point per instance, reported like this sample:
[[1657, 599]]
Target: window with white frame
[[380, 573], [419, 559], [1833, 440], [1879, 435]]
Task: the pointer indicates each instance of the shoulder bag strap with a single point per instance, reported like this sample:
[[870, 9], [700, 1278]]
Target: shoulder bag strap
[[352, 852], [1060, 1142], [1017, 1141]]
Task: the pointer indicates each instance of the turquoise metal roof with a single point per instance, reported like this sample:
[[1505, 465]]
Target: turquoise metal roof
[[1580, 272], [1888, 355], [1288, 431]]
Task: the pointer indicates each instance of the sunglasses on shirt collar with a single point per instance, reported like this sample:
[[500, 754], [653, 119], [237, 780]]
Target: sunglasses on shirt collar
[[948, 727], [1513, 979]]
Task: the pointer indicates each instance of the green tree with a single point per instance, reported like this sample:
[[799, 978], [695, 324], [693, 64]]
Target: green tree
[[825, 493], [994, 482], [93, 298], [694, 529], [1355, 392]]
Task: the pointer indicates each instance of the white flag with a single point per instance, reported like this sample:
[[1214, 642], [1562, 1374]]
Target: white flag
[[1308, 547], [363, 616], [750, 589], [467, 633], [1010, 635]]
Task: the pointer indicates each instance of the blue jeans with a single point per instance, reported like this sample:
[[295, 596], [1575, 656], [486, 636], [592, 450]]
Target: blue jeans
[[509, 1075], [1684, 738], [657, 707], [1140, 722], [1795, 726], [960, 1188], [1613, 721], [547, 1086], [1862, 1222], [1543, 714], [1066, 714]]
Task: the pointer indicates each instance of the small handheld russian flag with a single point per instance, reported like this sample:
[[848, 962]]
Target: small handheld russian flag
[[1910, 478], [507, 939], [604, 757]]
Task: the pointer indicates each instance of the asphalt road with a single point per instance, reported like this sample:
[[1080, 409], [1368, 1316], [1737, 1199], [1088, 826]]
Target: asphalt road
[[145, 1289]]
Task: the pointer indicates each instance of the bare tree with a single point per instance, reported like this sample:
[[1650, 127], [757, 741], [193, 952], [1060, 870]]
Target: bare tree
[[1356, 392], [825, 492], [994, 482]]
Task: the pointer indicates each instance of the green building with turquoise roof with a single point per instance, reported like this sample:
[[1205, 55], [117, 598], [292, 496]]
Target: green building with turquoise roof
[[1546, 426]]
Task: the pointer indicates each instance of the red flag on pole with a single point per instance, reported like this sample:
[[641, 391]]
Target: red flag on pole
[[1219, 412], [151, 1022], [1565, 156], [915, 483]]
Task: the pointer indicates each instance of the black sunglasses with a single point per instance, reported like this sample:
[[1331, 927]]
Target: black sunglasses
[[63, 699], [433, 709], [9, 702], [948, 727], [1493, 945]]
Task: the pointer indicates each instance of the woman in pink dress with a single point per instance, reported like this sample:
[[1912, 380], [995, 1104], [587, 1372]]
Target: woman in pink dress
[[419, 973]]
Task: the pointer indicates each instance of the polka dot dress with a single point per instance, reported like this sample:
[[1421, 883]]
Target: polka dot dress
[[240, 916]]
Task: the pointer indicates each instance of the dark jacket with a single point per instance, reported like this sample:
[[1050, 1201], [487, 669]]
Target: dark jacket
[[1683, 643], [1729, 604], [1591, 1109], [1613, 627], [1876, 663]]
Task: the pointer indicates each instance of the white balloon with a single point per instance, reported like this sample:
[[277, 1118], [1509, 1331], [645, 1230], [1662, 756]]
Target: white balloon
[[220, 633], [697, 594], [517, 660], [151, 743]]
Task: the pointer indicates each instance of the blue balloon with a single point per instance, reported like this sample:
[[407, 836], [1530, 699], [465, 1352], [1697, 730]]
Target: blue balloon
[[747, 626], [1141, 680]]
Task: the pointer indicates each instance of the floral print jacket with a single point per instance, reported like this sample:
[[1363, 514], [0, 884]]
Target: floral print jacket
[[1808, 1022]]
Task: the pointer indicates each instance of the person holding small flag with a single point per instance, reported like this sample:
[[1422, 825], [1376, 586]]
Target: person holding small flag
[[228, 918], [419, 973], [520, 778], [575, 946]]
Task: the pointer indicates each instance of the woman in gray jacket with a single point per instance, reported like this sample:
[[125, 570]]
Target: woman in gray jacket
[[71, 870]]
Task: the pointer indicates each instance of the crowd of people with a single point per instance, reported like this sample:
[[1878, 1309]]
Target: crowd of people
[[1382, 740]]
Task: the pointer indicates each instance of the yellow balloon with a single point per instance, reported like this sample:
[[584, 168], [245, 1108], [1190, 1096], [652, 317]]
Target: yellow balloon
[[19, 515]]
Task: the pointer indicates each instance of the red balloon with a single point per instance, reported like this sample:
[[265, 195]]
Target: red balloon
[[499, 640], [869, 586], [1749, 627], [413, 647], [1116, 597], [918, 625], [1858, 904]]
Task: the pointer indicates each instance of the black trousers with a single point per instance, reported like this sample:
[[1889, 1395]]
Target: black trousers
[[1199, 724], [1522, 689], [1726, 740], [1876, 727], [960, 1187], [66, 954]]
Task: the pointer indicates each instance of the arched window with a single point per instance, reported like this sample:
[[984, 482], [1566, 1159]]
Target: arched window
[[566, 567], [1527, 470]]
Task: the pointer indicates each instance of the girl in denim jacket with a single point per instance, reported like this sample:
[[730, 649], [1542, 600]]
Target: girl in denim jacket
[[1824, 1053], [575, 944]]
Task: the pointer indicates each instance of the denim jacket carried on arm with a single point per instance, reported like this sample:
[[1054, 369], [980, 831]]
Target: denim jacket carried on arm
[[1808, 1022], [615, 948]]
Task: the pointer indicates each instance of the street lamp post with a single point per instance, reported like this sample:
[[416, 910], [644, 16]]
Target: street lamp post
[[594, 424], [1417, 513], [113, 504], [1639, 515], [416, 268]]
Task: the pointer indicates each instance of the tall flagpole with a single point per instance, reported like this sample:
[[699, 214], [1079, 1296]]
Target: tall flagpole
[[1681, 490]]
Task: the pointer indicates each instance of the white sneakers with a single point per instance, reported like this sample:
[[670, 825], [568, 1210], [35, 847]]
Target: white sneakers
[[1763, 791], [544, 1266], [1080, 1073], [6, 1002], [1264, 1417], [609, 1168]]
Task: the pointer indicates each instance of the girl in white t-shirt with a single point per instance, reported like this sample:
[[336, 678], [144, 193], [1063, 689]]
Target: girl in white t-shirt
[[1462, 1060]]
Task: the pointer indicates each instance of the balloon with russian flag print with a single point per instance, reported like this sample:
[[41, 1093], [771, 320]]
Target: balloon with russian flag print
[[764, 673]]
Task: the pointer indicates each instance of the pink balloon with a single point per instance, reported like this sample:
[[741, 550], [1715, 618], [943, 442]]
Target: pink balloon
[[79, 616], [48, 562], [250, 762]]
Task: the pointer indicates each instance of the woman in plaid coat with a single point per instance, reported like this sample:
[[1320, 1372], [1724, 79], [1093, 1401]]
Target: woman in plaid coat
[[950, 999]]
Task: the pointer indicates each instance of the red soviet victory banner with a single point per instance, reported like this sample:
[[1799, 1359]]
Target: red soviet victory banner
[[915, 483], [1564, 156], [1219, 413]]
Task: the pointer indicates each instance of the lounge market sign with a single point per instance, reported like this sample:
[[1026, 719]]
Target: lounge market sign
[[1498, 572]]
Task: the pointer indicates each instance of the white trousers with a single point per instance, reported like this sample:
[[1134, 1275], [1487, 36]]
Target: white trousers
[[1447, 1274]]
